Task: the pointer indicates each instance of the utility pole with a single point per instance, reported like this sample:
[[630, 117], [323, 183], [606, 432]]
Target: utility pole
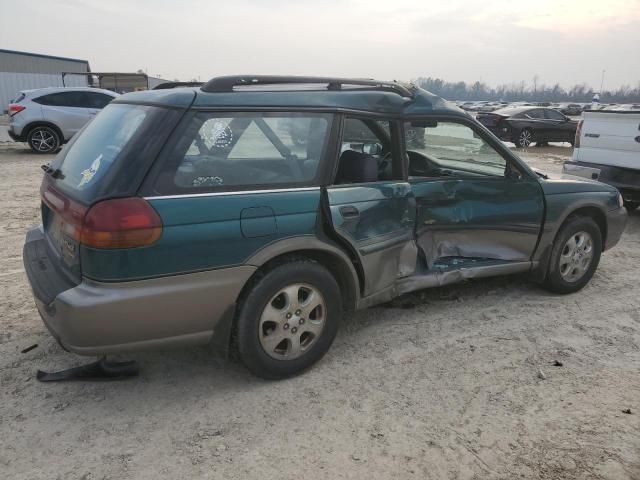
[[602, 81]]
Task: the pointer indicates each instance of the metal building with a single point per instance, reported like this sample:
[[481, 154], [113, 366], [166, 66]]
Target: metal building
[[23, 70]]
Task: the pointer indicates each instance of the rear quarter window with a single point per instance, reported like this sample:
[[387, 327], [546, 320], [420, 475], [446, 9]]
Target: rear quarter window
[[60, 99], [218, 151]]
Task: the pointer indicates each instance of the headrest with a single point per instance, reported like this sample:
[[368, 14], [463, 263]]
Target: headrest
[[356, 167]]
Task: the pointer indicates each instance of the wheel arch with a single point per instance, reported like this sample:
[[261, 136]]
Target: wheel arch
[[308, 248], [592, 212], [43, 123], [314, 249]]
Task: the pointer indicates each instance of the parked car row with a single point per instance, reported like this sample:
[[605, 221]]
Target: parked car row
[[47, 118], [571, 109]]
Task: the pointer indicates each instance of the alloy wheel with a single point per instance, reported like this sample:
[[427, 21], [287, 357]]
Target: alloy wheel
[[576, 257], [43, 140], [525, 138], [292, 321]]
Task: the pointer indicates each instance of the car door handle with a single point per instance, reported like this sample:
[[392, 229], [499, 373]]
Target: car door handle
[[349, 212]]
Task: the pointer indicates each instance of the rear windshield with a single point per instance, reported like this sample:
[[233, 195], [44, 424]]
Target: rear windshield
[[94, 150]]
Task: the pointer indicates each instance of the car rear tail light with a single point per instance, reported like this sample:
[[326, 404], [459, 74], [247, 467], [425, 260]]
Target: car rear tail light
[[121, 223], [576, 141], [15, 108]]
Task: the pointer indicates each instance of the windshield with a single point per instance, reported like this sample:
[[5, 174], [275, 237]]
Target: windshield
[[94, 150]]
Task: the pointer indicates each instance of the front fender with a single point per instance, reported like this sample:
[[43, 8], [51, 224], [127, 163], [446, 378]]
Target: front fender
[[560, 206]]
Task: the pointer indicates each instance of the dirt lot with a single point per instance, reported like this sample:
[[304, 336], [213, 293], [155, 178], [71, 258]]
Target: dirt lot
[[441, 384]]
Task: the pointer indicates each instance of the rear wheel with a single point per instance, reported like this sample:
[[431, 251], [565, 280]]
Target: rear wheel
[[288, 320], [524, 138], [575, 255], [43, 139]]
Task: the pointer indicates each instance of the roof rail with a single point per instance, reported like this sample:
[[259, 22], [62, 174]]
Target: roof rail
[[167, 85], [227, 83]]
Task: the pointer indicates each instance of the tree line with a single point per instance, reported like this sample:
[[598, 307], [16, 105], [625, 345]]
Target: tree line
[[526, 92]]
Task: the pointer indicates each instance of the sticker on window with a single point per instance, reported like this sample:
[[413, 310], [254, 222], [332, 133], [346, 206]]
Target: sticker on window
[[89, 173], [220, 135]]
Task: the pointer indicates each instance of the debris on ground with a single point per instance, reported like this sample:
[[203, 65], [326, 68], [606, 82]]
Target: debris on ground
[[100, 370], [28, 349], [558, 363], [541, 375]]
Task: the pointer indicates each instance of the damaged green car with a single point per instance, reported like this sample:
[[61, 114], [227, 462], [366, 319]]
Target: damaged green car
[[253, 211]]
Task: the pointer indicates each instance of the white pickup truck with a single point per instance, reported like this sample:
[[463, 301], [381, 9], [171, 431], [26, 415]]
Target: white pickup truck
[[607, 148]]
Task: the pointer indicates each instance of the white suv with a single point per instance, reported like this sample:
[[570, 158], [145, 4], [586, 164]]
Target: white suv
[[48, 117]]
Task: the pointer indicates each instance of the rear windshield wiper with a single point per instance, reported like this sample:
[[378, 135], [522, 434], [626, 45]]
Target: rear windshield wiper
[[54, 172]]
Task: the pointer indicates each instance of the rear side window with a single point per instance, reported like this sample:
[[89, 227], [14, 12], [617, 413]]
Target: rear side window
[[61, 99], [93, 151], [231, 151]]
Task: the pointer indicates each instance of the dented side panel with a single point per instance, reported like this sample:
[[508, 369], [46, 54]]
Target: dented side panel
[[377, 220], [492, 218]]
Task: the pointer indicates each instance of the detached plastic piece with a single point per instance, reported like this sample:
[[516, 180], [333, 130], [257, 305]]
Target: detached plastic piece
[[100, 370]]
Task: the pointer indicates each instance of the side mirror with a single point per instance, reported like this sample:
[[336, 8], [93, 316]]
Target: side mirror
[[372, 148]]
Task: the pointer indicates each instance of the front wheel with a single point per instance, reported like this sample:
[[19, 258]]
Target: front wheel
[[43, 139], [289, 319], [575, 255]]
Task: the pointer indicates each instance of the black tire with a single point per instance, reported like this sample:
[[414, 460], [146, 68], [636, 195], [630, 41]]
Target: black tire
[[524, 139], [43, 139], [574, 225], [263, 292], [631, 206]]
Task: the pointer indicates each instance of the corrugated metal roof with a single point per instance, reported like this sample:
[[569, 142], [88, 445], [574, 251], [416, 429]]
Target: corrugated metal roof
[[53, 57]]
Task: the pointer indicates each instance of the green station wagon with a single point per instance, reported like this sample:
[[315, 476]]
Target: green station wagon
[[251, 212]]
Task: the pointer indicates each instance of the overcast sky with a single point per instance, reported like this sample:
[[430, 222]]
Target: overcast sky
[[496, 41]]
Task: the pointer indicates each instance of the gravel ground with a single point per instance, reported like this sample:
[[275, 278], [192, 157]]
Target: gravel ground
[[439, 384]]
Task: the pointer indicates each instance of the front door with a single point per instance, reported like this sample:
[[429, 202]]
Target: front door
[[475, 203], [371, 204]]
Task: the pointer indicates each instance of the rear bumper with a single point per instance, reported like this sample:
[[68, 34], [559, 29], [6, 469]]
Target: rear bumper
[[96, 318], [626, 180], [14, 136]]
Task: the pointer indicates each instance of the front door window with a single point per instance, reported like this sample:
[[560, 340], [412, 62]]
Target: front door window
[[451, 149]]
